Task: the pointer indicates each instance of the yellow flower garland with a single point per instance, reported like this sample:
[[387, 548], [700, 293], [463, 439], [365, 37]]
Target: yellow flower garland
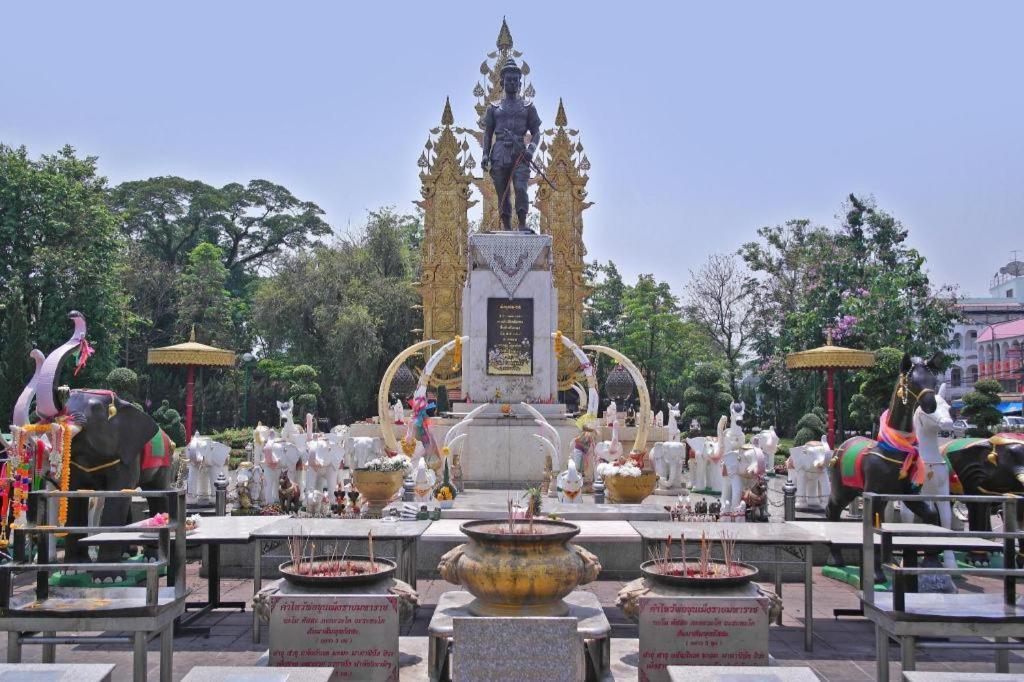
[[65, 463]]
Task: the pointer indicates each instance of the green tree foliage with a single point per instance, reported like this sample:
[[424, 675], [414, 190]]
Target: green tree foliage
[[169, 419], [203, 299], [124, 382], [810, 427], [603, 312], [345, 309], [980, 408], [860, 281], [60, 250], [15, 365], [706, 398], [252, 224], [303, 389], [875, 389]]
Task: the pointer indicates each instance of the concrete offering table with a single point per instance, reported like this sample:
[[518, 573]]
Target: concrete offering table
[[204, 673], [785, 537], [213, 531], [585, 607], [56, 672], [727, 673], [403, 533]]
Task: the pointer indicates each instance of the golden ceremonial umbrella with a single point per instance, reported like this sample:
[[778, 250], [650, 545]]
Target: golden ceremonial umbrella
[[830, 358], [191, 354]]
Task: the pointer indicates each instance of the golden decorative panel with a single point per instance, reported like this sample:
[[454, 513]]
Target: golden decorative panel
[[561, 215], [445, 176]]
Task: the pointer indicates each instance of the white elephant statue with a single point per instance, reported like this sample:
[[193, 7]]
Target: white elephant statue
[[740, 468], [360, 450], [611, 414], [280, 454], [207, 459], [707, 464], [809, 469], [324, 459], [768, 442], [669, 458], [291, 430], [569, 485]]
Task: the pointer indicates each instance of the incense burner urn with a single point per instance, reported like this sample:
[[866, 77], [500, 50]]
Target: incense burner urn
[[519, 573], [629, 489], [378, 487]]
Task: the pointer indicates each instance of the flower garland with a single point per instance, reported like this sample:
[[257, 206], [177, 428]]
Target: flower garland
[[65, 467]]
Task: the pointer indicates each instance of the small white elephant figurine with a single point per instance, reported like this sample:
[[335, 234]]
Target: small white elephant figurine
[[668, 458], [207, 459], [569, 485], [324, 458], [809, 468], [279, 454], [360, 450], [740, 468], [706, 468], [768, 441]]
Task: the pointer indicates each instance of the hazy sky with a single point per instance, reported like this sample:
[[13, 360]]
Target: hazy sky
[[702, 121]]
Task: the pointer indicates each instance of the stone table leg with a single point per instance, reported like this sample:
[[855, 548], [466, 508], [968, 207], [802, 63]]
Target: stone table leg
[[166, 653], [808, 599], [778, 582], [437, 657], [1002, 655], [139, 659], [257, 585], [881, 655], [13, 647], [907, 658], [49, 654]]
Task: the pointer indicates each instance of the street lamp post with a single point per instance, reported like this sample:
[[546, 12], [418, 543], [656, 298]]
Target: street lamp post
[[247, 360]]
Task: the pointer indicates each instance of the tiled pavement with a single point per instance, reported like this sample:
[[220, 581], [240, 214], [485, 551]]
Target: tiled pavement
[[843, 649]]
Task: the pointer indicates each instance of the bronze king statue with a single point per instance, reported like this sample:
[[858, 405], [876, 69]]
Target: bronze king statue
[[506, 154]]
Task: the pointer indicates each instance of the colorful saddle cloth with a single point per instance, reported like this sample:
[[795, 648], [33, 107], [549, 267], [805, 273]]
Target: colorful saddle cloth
[[158, 451], [850, 460]]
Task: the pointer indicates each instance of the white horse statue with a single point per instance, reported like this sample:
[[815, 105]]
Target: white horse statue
[[936, 478], [808, 464], [324, 459], [673, 425], [290, 430], [280, 454], [207, 459]]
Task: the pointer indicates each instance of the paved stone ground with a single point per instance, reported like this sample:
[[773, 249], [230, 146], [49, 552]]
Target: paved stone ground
[[843, 649]]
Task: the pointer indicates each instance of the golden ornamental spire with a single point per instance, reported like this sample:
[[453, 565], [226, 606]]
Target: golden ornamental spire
[[561, 209], [446, 173], [504, 36]]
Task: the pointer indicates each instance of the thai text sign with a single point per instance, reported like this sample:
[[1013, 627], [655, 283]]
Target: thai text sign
[[510, 336], [357, 635], [701, 630]]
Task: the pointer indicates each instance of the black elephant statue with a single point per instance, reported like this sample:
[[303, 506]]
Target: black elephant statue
[[988, 466], [115, 446], [881, 466]]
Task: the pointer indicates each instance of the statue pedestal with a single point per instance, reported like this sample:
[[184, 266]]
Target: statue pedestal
[[509, 311]]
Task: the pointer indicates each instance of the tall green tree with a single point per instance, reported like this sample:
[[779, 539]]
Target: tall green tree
[[203, 299], [15, 365], [60, 250], [980, 408], [706, 398]]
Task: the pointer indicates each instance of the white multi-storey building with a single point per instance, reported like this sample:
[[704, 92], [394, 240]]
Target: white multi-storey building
[[1004, 304]]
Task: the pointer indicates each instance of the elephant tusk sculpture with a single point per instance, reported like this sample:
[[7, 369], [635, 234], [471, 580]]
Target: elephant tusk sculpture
[[23, 408], [45, 405], [643, 420], [386, 427]]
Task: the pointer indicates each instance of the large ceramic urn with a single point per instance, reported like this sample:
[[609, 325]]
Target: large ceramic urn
[[378, 487], [519, 573], [623, 489]]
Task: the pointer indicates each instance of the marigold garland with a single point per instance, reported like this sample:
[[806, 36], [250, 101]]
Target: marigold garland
[[457, 354], [65, 464]]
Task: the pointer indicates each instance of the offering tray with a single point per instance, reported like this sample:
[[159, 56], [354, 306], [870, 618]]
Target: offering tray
[[385, 568], [741, 573]]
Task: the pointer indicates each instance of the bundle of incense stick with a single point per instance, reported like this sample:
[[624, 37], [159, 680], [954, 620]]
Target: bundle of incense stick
[[369, 541], [705, 554], [728, 541], [511, 517]]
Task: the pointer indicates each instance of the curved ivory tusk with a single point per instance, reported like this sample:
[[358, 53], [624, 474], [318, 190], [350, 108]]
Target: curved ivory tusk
[[459, 428], [22, 408], [45, 405], [539, 419], [1020, 477], [556, 465]]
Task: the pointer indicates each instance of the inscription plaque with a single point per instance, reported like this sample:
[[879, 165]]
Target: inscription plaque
[[510, 336]]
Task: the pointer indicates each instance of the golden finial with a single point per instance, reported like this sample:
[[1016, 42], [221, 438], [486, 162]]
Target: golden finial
[[504, 36], [192, 334], [560, 118], [446, 117], [828, 338]]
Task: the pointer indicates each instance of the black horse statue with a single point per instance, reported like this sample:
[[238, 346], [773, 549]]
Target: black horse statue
[[880, 466]]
